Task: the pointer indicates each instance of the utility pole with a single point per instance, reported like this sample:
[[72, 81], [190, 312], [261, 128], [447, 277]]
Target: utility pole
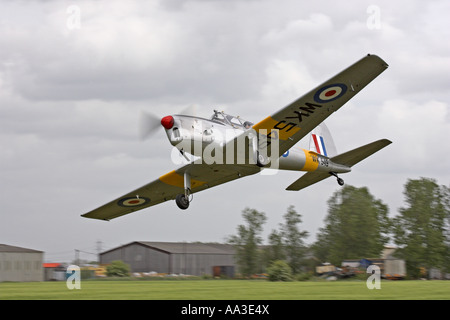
[[99, 250], [77, 257]]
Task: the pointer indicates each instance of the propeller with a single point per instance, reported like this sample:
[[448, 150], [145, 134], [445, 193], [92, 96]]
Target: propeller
[[149, 122]]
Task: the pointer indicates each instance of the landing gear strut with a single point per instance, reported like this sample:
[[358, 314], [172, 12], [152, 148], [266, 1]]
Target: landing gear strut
[[181, 199], [340, 181]]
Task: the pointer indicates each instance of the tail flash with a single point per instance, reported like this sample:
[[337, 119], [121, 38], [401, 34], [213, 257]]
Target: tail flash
[[319, 144], [322, 142]]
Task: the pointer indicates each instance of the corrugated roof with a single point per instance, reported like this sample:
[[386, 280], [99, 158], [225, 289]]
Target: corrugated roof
[[185, 247], [8, 248]]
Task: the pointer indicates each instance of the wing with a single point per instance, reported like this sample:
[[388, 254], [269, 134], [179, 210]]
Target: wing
[[301, 116], [166, 187]]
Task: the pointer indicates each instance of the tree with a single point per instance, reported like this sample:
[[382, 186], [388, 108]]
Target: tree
[[247, 240], [118, 268], [357, 226], [275, 249], [421, 230], [279, 270], [293, 239]]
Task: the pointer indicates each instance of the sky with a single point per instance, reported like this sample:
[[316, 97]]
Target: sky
[[75, 77]]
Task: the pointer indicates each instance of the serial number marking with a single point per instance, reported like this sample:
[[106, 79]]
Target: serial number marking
[[310, 107], [320, 160]]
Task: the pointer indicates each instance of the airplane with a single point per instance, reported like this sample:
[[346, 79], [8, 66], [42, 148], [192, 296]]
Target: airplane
[[225, 147]]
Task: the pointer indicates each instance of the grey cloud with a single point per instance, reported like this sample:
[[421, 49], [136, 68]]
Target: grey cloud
[[70, 101]]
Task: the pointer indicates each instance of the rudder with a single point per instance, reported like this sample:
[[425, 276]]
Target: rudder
[[321, 141]]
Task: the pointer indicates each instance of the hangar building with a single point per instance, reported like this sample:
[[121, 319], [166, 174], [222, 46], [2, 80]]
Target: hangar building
[[20, 264], [172, 257]]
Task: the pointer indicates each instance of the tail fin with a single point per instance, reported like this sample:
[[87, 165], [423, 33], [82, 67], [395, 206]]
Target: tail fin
[[349, 158], [321, 141]]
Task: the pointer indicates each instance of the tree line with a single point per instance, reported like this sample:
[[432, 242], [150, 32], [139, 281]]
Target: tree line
[[357, 226]]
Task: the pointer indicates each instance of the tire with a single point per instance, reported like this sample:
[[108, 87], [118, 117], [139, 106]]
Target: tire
[[182, 201], [261, 161]]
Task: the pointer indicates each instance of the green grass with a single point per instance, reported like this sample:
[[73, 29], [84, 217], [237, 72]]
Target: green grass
[[226, 290]]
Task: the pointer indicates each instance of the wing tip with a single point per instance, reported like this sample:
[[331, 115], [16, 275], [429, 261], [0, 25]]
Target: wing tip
[[86, 215], [385, 142], [385, 65]]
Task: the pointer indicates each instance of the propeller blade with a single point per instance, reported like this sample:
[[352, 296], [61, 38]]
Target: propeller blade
[[149, 123], [190, 110]]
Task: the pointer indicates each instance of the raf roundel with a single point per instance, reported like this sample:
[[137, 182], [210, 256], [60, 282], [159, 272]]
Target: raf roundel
[[330, 92], [133, 202]]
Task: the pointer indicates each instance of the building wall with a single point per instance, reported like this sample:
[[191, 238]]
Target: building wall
[[198, 264], [145, 259], [21, 266], [140, 258]]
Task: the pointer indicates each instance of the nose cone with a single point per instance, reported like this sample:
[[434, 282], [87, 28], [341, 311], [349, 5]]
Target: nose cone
[[167, 122]]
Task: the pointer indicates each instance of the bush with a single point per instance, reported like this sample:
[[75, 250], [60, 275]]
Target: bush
[[118, 269], [279, 270], [303, 276]]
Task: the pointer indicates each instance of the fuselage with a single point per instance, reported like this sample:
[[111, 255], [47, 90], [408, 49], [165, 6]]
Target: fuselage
[[205, 138]]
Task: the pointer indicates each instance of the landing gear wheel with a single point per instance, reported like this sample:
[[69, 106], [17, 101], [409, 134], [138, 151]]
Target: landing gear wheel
[[182, 201], [261, 161], [340, 181]]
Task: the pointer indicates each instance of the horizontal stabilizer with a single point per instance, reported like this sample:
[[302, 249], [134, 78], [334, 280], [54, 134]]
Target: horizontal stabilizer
[[349, 159], [308, 179]]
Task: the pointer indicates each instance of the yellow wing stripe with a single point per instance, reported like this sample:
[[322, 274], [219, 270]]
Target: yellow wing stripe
[[285, 130], [177, 180]]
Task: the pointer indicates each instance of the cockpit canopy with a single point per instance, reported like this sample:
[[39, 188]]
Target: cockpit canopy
[[236, 122]]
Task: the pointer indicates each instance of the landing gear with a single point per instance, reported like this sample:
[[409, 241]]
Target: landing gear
[[261, 161], [340, 181], [183, 200]]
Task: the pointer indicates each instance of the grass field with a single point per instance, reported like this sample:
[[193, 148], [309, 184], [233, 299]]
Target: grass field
[[226, 290]]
